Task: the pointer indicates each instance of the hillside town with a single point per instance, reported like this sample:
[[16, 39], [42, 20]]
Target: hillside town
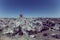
[[29, 28]]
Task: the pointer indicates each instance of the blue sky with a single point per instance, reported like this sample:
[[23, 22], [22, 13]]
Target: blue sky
[[30, 8]]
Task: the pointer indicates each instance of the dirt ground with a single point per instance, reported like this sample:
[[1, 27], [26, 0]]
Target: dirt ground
[[38, 37]]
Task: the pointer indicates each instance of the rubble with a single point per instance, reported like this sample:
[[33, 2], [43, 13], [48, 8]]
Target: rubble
[[30, 27], [57, 36]]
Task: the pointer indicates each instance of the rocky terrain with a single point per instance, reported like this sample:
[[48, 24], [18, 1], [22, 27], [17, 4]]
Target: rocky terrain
[[29, 28]]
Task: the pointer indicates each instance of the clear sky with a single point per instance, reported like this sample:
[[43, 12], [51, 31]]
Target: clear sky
[[30, 8]]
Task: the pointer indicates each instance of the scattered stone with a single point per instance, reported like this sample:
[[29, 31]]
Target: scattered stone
[[45, 34], [57, 36]]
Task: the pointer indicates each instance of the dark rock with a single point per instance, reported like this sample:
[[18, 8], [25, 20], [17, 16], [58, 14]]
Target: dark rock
[[1, 30], [44, 29], [53, 24], [20, 33], [45, 34], [38, 24], [9, 34], [57, 36], [31, 32]]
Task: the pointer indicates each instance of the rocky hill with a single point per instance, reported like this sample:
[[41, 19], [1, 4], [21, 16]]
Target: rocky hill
[[29, 28]]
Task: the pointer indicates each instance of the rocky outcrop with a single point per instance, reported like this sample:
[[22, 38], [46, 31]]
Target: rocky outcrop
[[28, 26]]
